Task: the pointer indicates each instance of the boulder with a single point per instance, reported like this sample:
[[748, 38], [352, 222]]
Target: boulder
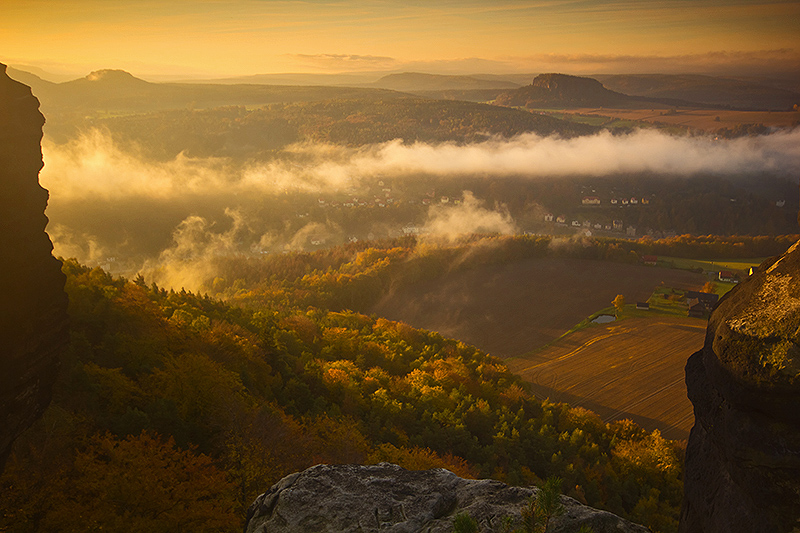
[[388, 498], [742, 470]]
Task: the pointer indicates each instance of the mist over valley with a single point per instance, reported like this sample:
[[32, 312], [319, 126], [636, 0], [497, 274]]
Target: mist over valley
[[522, 249]]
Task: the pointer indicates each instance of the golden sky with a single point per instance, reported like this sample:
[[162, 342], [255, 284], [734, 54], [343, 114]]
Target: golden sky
[[239, 37]]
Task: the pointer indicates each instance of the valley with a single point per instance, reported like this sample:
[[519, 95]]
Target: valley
[[512, 309], [359, 274]]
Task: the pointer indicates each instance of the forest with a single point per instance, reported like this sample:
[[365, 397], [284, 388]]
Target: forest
[[356, 275], [230, 399], [175, 410], [247, 132]]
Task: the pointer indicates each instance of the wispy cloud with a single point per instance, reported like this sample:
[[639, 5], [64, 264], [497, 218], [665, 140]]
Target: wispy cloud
[[760, 62], [346, 61]]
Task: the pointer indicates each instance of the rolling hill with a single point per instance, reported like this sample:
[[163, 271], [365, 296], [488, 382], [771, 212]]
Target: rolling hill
[[710, 90], [415, 82], [515, 308], [117, 91]]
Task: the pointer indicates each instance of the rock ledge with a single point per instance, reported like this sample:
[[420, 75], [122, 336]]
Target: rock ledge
[[388, 498]]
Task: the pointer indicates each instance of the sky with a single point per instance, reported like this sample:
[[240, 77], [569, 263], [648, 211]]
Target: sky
[[211, 38]]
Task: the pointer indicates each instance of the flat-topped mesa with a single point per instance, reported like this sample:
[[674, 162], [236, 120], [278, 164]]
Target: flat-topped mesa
[[33, 318], [562, 90], [743, 456]]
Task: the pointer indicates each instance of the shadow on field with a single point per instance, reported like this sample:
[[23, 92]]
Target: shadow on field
[[609, 414]]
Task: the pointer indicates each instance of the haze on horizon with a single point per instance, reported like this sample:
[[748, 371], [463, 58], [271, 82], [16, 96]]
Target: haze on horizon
[[210, 38]]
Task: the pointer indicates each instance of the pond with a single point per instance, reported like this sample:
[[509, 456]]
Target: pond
[[603, 319]]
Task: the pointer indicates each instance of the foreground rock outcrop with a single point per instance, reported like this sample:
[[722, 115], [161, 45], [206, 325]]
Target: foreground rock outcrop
[[33, 305], [387, 498], [742, 469]]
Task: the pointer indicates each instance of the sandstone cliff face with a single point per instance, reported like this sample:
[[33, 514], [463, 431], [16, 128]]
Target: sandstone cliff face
[[33, 305], [387, 498], [743, 456]]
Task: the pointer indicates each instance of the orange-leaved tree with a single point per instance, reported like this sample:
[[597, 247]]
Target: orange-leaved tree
[[142, 484]]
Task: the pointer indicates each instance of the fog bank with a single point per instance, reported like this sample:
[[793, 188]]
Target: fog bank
[[93, 166]]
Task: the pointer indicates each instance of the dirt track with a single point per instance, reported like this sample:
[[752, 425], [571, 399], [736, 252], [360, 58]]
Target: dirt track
[[510, 310]]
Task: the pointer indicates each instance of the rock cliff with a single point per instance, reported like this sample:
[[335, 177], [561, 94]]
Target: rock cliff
[[385, 497], [33, 305], [743, 456]]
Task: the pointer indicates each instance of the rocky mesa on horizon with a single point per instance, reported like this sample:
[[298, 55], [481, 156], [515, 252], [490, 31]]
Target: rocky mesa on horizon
[[559, 91]]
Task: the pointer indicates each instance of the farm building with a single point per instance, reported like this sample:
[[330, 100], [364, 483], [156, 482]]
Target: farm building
[[561, 219], [590, 200], [700, 303], [697, 308], [642, 306], [650, 260], [707, 298], [548, 217], [727, 275]]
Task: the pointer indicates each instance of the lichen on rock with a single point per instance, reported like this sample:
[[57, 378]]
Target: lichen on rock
[[388, 498], [742, 471], [758, 337]]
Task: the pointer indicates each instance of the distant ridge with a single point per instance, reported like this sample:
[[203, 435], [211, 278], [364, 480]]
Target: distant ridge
[[118, 90], [417, 81], [711, 90]]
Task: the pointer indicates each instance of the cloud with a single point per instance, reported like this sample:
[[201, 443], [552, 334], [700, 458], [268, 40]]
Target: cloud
[[70, 243], [93, 167], [106, 202], [199, 246], [346, 61], [193, 258], [450, 222], [534, 156], [783, 61]]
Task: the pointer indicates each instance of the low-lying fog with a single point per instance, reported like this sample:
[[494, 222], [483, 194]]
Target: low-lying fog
[[116, 209]]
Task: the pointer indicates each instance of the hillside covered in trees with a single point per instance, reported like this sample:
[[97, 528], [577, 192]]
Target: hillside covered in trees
[[175, 410], [246, 132], [209, 404]]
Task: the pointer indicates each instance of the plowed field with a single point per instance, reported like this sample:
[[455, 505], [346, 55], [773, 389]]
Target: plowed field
[[631, 369], [705, 119]]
